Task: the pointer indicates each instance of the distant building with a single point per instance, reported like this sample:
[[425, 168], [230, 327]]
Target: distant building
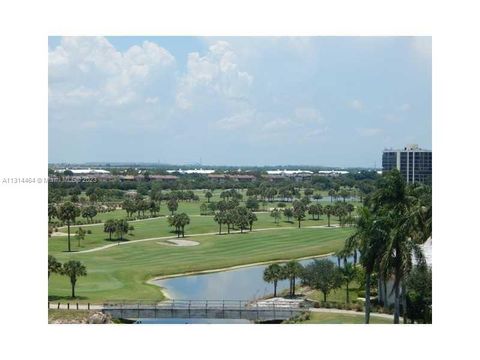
[[84, 171], [194, 171], [220, 178], [242, 178], [332, 173], [414, 164], [165, 178]]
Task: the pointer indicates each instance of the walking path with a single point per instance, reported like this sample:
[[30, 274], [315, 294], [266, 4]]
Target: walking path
[[350, 312], [196, 235]]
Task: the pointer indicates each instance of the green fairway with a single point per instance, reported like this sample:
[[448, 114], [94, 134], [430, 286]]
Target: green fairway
[[121, 272], [337, 318], [158, 227]]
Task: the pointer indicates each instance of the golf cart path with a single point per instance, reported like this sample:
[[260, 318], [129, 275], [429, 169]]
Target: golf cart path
[[196, 235]]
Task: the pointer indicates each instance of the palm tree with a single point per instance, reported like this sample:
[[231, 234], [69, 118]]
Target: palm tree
[[273, 273], [67, 213], [220, 218], [348, 272], [110, 226], [370, 237], [332, 193], [292, 270], [208, 195], [397, 257], [172, 205], [73, 269], [328, 210], [299, 212], [121, 227], [54, 267], [406, 214], [182, 221]]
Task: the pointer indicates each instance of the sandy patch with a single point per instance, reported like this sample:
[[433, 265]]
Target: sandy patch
[[178, 242], [59, 233]]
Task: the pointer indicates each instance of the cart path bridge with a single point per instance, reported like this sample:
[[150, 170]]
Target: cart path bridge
[[190, 309]]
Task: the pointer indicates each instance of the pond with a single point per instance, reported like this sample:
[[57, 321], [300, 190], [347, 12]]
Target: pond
[[239, 284]]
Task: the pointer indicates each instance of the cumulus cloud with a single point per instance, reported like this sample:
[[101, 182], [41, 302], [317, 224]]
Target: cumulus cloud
[[236, 121], [304, 123], [90, 68], [214, 76]]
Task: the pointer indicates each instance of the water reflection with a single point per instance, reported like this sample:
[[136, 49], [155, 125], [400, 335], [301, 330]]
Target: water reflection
[[239, 284]]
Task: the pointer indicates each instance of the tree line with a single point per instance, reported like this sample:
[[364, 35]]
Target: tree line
[[320, 275]]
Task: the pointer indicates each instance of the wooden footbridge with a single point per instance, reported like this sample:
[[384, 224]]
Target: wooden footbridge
[[204, 309]]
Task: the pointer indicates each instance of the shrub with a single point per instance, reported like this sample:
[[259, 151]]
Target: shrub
[[89, 231], [298, 318]]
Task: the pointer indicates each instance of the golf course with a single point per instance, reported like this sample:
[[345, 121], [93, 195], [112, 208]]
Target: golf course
[[122, 269]]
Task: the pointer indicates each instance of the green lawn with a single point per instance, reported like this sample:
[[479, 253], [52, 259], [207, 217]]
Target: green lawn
[[120, 272], [333, 318], [337, 295], [158, 227], [193, 207]]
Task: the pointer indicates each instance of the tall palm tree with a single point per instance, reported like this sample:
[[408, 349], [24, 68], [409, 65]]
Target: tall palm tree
[[406, 212], [328, 210], [369, 235], [273, 273], [73, 269], [292, 270], [220, 218], [67, 213], [348, 272], [397, 257], [110, 226]]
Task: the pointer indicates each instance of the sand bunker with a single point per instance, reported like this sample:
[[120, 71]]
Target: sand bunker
[[178, 242], [59, 233]]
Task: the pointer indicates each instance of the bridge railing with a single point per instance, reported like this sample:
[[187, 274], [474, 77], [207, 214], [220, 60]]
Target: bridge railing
[[201, 304]]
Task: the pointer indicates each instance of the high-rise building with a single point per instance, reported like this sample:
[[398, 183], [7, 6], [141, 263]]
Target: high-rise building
[[414, 164]]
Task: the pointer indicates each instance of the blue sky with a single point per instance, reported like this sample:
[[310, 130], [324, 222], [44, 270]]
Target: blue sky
[[332, 101]]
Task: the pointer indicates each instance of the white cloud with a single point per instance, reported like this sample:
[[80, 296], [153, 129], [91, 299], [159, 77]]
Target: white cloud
[[236, 121], [151, 100], [306, 123], [86, 68], [356, 104], [217, 74]]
